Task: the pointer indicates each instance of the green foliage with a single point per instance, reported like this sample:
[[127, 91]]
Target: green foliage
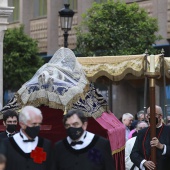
[[20, 60], [115, 28]]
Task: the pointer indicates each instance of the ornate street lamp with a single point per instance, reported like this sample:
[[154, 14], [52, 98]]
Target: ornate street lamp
[[66, 17]]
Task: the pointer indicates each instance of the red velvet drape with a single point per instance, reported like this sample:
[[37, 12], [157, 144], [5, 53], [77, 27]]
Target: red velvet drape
[[53, 118]]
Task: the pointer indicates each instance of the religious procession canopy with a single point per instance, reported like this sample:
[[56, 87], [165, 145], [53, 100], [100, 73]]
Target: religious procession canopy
[[117, 68], [60, 84], [63, 82]]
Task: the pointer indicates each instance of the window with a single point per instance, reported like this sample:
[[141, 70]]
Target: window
[[40, 8], [73, 4], [15, 15]]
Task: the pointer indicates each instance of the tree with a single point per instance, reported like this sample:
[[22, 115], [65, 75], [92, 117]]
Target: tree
[[116, 28], [20, 60]]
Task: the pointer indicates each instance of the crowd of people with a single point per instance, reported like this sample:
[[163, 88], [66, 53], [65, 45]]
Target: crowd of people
[[81, 149], [26, 150]]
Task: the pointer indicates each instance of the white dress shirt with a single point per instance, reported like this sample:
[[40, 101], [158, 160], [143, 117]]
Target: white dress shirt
[[86, 137], [27, 147], [127, 131]]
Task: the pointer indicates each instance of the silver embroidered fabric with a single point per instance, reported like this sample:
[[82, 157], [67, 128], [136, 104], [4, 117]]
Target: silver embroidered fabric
[[56, 83]]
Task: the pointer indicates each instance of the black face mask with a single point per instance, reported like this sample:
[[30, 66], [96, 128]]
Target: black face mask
[[32, 132], [11, 128], [156, 120], [74, 133]]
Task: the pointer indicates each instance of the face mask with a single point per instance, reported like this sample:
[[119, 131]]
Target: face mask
[[11, 128], [156, 120], [32, 132], [75, 133]]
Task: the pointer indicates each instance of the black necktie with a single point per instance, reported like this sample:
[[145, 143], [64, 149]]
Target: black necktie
[[29, 140], [9, 134], [76, 143], [26, 140]]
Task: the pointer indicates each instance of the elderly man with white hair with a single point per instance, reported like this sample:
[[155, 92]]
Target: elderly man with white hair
[[26, 150], [127, 120]]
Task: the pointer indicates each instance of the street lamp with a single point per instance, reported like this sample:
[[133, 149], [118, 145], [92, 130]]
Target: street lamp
[[66, 17]]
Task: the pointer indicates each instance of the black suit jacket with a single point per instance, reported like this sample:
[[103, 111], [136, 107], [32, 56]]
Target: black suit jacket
[[17, 159], [137, 154], [3, 135], [96, 156]]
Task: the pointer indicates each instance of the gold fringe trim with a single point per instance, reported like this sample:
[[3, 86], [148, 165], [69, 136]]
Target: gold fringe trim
[[118, 150], [44, 101], [65, 111]]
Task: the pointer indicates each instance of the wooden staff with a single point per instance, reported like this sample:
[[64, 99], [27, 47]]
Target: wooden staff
[[152, 117], [152, 75]]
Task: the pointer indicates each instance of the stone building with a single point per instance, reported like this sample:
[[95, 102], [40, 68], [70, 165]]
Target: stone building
[[41, 20]]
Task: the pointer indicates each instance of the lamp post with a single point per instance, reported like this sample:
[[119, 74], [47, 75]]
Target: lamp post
[[66, 17]]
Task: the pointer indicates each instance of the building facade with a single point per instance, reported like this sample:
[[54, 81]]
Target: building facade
[[41, 20]]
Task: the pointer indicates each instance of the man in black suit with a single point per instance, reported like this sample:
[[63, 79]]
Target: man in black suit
[[10, 120], [81, 150], [26, 150], [141, 152]]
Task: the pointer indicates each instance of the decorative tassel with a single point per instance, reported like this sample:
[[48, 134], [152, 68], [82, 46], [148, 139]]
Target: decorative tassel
[[82, 97], [65, 111]]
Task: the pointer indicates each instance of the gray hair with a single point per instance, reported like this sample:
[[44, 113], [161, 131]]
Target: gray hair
[[127, 115], [24, 115], [140, 123], [141, 112]]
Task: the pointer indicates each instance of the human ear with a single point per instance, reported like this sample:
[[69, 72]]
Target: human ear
[[4, 123], [23, 126], [84, 126]]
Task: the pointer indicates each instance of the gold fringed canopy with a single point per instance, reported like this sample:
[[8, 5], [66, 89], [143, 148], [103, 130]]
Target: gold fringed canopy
[[117, 68], [167, 67]]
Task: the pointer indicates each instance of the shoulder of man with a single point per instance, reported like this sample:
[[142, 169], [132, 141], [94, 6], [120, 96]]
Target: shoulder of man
[[60, 142], [3, 134], [102, 139], [47, 142], [166, 127]]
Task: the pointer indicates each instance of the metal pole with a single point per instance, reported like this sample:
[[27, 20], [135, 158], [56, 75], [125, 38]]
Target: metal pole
[[65, 39]]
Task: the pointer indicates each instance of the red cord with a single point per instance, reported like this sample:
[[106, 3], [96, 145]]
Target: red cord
[[143, 143]]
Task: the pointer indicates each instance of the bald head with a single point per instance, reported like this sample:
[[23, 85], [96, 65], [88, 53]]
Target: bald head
[[158, 110], [158, 115]]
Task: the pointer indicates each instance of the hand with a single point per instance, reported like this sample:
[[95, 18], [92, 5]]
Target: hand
[[155, 142], [149, 165]]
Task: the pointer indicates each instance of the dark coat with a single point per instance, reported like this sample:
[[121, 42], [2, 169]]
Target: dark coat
[[137, 154], [96, 156], [19, 160], [3, 135]]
